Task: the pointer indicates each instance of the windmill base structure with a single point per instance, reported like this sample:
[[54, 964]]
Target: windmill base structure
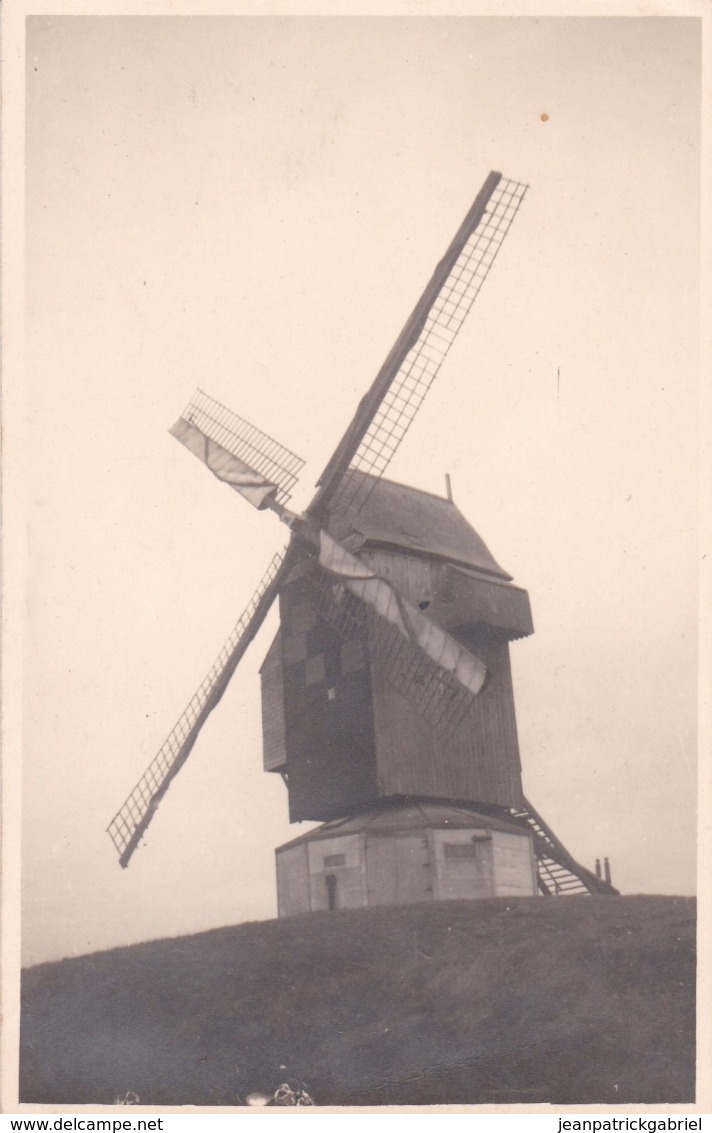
[[425, 850], [397, 855], [387, 699]]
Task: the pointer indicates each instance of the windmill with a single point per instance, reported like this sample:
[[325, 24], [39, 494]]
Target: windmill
[[387, 695]]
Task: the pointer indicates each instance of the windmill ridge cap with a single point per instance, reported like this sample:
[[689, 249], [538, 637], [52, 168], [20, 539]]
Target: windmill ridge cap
[[378, 480], [399, 484], [441, 529], [421, 492]]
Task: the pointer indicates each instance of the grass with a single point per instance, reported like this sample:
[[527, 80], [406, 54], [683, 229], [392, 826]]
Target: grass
[[570, 1000]]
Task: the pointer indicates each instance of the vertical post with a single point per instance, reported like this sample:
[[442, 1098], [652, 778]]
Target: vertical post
[[598, 868], [607, 870]]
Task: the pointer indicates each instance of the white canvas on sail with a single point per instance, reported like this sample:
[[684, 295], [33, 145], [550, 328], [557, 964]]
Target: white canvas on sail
[[255, 487], [380, 595]]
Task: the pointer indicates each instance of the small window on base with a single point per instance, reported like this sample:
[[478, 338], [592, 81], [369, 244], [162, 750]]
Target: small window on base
[[460, 850]]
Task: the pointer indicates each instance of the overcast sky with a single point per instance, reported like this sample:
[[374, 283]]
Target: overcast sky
[[253, 205]]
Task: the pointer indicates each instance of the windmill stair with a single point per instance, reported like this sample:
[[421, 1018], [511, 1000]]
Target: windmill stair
[[559, 873]]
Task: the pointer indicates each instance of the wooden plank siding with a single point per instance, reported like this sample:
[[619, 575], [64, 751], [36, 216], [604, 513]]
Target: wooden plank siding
[[331, 759], [398, 868], [478, 763], [274, 739], [349, 881], [468, 873], [456, 597], [348, 738], [514, 865], [293, 895]]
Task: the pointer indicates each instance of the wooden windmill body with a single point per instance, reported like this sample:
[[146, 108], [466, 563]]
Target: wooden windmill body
[[349, 737], [387, 694]]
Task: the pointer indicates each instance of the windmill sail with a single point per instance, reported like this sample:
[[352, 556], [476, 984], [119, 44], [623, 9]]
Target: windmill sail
[[256, 489], [435, 674], [250, 461], [129, 824], [377, 593], [441, 700], [386, 412]]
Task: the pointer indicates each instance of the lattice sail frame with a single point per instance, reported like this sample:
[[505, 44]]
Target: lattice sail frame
[[422, 363], [437, 695], [130, 821], [246, 442]]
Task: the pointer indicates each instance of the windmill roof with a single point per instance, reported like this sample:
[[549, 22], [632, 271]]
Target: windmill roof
[[389, 819], [397, 515]]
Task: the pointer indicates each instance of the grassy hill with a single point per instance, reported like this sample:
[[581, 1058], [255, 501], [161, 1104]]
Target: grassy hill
[[569, 1000]]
